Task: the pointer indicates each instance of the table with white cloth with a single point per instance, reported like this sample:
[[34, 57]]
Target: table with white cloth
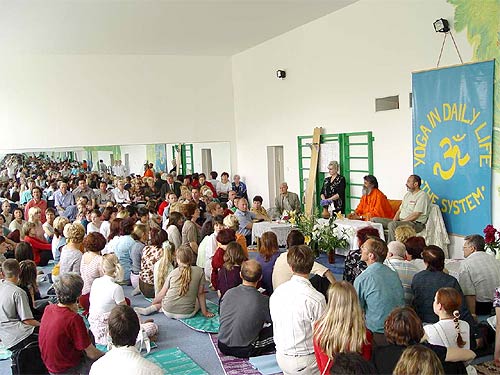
[[351, 226], [281, 229]]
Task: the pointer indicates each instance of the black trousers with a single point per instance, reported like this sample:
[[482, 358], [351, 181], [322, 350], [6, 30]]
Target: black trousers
[[484, 308], [264, 344]]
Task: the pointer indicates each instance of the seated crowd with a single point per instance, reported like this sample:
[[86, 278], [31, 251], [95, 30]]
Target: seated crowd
[[398, 310]]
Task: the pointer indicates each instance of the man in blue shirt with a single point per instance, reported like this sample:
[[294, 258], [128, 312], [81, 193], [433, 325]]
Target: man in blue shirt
[[379, 288], [245, 219]]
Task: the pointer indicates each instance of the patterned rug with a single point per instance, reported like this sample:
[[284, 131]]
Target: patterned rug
[[487, 368], [233, 365], [203, 324]]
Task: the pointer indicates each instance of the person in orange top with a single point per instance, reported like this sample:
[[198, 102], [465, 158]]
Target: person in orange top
[[373, 203], [148, 170]]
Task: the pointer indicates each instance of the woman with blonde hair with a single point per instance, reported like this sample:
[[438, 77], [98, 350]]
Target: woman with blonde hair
[[404, 232], [232, 222], [174, 228], [184, 292], [41, 249], [342, 327], [35, 217], [71, 254], [58, 241], [418, 359], [105, 294], [164, 266], [268, 253]]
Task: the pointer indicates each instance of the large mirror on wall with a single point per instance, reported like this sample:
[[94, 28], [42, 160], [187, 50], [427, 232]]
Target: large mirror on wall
[[187, 157]]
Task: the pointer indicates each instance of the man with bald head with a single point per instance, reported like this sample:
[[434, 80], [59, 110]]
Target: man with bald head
[[245, 329], [405, 269], [286, 200]]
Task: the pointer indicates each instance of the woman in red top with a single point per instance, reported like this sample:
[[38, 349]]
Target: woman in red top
[[342, 328], [42, 250], [224, 237]]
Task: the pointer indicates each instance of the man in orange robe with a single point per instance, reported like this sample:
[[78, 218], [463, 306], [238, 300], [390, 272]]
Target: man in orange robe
[[373, 203]]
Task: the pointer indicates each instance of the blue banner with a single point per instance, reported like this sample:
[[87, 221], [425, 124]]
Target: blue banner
[[160, 157], [452, 142]]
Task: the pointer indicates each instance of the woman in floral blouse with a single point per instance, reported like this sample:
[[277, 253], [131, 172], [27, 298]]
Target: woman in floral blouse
[[353, 263], [150, 255], [333, 190]]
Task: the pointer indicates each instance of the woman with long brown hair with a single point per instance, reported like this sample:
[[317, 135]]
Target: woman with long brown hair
[[342, 327], [268, 253]]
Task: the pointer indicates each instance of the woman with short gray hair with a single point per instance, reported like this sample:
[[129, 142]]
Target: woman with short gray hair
[[333, 191], [63, 336]]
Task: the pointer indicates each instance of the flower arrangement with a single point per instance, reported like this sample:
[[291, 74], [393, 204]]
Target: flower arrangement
[[328, 236], [322, 235], [492, 239], [305, 224]]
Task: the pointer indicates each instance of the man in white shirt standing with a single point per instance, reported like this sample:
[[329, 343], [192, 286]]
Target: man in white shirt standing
[[124, 358], [295, 306]]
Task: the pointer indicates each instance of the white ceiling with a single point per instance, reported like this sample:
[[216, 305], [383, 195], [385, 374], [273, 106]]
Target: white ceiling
[[187, 27]]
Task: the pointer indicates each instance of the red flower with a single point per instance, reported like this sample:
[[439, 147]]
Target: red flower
[[489, 234]]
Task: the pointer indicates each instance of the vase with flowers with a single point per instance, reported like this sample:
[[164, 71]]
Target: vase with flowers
[[492, 240]]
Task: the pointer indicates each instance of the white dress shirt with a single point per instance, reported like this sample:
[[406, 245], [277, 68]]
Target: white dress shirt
[[124, 360], [295, 306], [121, 196]]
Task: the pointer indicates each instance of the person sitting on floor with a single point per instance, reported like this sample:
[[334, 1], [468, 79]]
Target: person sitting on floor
[[403, 329], [295, 306], [244, 316], [124, 358], [282, 273], [229, 273], [479, 276], [414, 247], [426, 283], [450, 331], [406, 270], [341, 329], [353, 265], [17, 326], [418, 359], [106, 294], [268, 254], [64, 341], [378, 287], [184, 291], [42, 250]]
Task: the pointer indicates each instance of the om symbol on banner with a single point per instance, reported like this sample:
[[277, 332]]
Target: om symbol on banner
[[452, 152]]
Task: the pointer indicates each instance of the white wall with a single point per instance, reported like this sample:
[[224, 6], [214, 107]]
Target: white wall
[[336, 67], [90, 100], [137, 157]]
